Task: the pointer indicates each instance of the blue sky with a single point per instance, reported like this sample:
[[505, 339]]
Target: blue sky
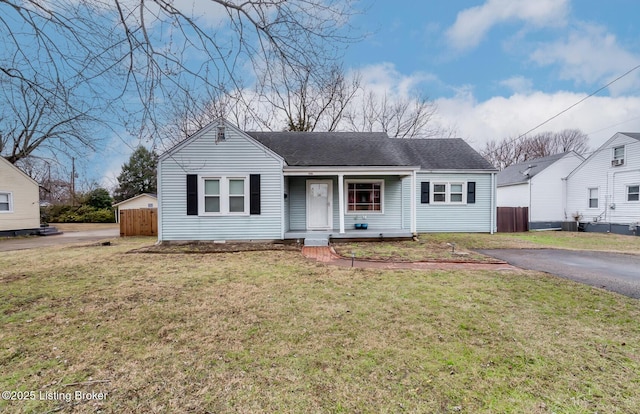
[[497, 68]]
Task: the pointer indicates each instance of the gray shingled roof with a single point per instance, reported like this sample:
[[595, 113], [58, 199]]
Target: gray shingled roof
[[354, 149], [513, 173]]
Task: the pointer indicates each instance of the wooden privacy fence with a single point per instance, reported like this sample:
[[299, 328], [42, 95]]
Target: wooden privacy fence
[[513, 219], [139, 222]]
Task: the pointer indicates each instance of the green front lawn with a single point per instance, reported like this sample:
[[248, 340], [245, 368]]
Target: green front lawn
[[438, 246], [274, 332]]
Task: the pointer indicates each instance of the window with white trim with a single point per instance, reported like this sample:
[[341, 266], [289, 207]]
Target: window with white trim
[[593, 198], [439, 193], [365, 196], [633, 193], [225, 195], [455, 193], [237, 195], [211, 195], [5, 203], [449, 193], [618, 156]]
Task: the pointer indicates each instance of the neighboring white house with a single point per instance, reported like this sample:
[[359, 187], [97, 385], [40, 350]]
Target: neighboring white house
[[605, 189], [539, 184], [144, 200], [19, 201], [226, 184]]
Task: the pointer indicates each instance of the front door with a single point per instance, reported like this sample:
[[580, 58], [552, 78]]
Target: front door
[[319, 204]]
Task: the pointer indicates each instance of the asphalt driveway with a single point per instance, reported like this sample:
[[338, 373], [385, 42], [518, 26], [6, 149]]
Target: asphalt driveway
[[612, 271], [34, 242]]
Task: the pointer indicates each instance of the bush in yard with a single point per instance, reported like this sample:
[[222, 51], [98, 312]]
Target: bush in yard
[[75, 214]]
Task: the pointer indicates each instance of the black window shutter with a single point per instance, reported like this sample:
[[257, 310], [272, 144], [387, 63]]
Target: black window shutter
[[192, 195], [424, 192], [254, 194], [471, 192]]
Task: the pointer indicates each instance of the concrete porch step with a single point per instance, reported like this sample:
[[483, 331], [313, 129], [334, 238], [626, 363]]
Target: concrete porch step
[[316, 242], [48, 231]]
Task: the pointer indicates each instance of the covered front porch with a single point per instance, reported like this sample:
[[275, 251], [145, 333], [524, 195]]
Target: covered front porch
[[358, 202]]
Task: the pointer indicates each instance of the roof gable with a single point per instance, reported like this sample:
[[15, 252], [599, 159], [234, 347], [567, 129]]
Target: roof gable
[[607, 145], [7, 164], [150, 195], [209, 128], [514, 174], [352, 149]]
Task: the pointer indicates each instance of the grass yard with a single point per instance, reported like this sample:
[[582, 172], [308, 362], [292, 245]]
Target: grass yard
[[437, 246], [273, 332]]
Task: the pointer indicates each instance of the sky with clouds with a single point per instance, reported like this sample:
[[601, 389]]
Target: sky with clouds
[[498, 68]]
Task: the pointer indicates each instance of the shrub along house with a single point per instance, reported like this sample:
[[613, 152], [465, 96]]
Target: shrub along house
[[225, 184]]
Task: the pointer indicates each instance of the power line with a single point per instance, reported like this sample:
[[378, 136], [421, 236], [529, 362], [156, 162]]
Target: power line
[[577, 103]]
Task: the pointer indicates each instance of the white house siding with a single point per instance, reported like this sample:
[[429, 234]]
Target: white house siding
[[548, 191], [25, 207], [237, 155], [470, 218], [516, 195], [612, 182]]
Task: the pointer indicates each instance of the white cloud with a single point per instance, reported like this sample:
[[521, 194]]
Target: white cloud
[[518, 84], [503, 117], [384, 78], [474, 23], [591, 55]]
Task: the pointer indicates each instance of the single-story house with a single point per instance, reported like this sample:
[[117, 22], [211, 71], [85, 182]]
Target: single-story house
[[226, 184], [539, 184], [604, 191], [144, 200], [19, 201]]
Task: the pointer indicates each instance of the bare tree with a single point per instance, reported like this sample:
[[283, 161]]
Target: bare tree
[[30, 121], [399, 117], [127, 58], [307, 98], [515, 150]]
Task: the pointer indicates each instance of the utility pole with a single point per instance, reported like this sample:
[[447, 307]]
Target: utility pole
[[73, 181], [49, 180]]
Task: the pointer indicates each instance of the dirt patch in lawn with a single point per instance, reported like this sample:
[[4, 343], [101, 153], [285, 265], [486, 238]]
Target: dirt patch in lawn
[[211, 247], [411, 251]]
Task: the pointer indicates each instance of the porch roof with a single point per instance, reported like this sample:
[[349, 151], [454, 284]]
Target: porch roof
[[369, 170]]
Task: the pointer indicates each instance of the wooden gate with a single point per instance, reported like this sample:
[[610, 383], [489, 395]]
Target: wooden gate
[[513, 219], [139, 222]]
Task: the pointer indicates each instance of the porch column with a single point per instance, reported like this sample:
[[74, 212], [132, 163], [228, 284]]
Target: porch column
[[341, 201], [413, 202]]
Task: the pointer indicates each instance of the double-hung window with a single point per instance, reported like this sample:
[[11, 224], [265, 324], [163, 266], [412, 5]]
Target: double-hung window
[[593, 198], [439, 193], [5, 202], [237, 195], [212, 195], [449, 193], [365, 196], [633, 193], [225, 195]]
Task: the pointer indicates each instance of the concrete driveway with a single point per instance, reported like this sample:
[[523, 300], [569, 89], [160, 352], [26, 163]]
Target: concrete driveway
[[65, 238], [612, 271]]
